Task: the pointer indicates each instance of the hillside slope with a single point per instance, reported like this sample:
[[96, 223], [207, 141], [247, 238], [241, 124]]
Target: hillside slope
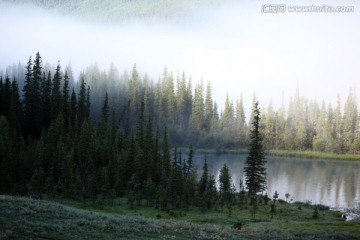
[[22, 218]]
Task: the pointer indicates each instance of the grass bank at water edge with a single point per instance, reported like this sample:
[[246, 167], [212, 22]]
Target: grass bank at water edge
[[313, 154]]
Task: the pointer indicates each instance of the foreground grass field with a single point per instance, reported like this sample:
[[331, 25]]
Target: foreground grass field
[[22, 218]]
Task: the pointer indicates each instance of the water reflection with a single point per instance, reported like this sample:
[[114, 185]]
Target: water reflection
[[333, 183]]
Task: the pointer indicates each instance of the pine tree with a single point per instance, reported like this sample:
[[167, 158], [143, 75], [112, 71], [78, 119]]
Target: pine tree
[[350, 120], [104, 119], [73, 109], [28, 102], [225, 185], [7, 96], [208, 111], [241, 128], [46, 101], [56, 96], [88, 102], [338, 127], [189, 163], [5, 156], [166, 156], [255, 170], [203, 184], [171, 102], [81, 105], [66, 100], [181, 102], [15, 111], [84, 157], [197, 114], [36, 95]]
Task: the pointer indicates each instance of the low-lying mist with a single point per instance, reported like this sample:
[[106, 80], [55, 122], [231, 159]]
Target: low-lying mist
[[236, 47]]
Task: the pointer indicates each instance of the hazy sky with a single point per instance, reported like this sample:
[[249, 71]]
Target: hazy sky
[[236, 47]]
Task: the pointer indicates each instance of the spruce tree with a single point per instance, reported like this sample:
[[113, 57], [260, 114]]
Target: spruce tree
[[81, 105], [46, 101], [28, 99], [36, 95], [225, 185], [255, 170], [73, 108], [203, 184], [66, 100], [15, 111], [56, 96]]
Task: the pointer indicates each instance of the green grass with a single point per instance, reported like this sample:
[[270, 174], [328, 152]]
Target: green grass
[[313, 154], [22, 218]]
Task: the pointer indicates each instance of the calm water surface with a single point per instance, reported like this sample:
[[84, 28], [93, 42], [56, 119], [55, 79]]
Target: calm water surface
[[333, 183]]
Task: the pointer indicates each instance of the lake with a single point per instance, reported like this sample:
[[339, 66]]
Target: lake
[[332, 183]]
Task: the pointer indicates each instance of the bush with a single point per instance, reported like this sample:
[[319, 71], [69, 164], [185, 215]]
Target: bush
[[238, 225], [322, 207], [315, 213]]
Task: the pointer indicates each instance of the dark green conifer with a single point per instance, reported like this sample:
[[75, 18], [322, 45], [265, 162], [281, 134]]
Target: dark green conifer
[[255, 170]]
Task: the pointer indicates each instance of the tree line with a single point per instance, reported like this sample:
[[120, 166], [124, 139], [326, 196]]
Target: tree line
[[191, 114], [52, 143]]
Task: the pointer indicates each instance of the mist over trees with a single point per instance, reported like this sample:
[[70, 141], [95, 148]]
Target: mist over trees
[[189, 111], [112, 134]]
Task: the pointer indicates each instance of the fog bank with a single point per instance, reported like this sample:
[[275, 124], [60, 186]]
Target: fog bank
[[236, 47]]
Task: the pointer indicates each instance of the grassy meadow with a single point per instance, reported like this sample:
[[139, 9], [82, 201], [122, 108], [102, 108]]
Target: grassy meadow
[[23, 218]]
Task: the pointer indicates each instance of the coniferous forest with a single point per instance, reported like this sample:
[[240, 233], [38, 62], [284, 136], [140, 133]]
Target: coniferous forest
[[109, 134]]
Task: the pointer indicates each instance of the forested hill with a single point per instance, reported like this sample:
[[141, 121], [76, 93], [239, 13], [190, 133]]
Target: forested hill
[[110, 10]]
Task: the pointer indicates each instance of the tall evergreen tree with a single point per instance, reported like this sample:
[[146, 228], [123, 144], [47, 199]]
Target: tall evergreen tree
[[208, 111], [46, 101], [81, 105], [203, 184], [73, 109], [28, 100], [104, 120], [56, 96], [225, 185], [241, 128], [36, 95], [15, 110], [66, 99], [255, 170], [197, 114]]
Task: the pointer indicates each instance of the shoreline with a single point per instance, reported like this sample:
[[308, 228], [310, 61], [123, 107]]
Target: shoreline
[[286, 153], [314, 155]]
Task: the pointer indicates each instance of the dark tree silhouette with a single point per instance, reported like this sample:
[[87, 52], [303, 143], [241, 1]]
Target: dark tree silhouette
[[255, 170]]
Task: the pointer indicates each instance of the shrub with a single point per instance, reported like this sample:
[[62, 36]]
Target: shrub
[[315, 213], [238, 225], [322, 207]]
